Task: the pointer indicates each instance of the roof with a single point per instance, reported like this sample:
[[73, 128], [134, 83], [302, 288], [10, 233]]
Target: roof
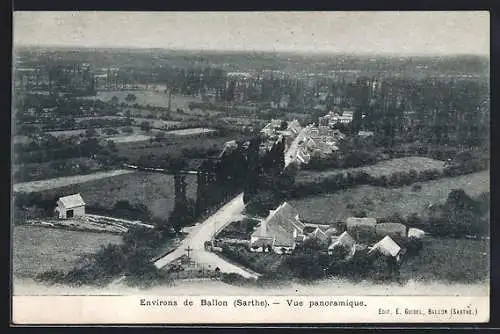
[[280, 224], [355, 221], [260, 241], [390, 228], [415, 233], [386, 246], [72, 201], [344, 239]]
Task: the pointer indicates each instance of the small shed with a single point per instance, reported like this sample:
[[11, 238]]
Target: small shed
[[70, 206], [415, 233]]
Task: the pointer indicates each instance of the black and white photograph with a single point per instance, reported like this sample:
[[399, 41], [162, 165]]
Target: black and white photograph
[[251, 154]]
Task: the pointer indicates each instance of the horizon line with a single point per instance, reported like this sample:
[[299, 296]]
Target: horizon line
[[298, 52]]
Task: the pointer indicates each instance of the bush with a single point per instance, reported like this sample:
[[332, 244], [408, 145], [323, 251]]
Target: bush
[[127, 130]]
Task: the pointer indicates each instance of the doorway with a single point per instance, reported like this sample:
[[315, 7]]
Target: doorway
[[70, 214]]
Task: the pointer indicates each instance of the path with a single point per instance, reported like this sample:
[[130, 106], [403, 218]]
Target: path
[[58, 182], [291, 153], [206, 231]]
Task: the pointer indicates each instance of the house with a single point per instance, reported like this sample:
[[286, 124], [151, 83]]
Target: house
[[302, 157], [387, 247], [415, 233], [362, 229], [70, 206], [294, 127], [229, 147], [365, 134], [271, 127], [345, 242], [280, 229]]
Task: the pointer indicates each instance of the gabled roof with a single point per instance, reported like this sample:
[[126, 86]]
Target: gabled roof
[[280, 224], [344, 239], [415, 233], [386, 246], [72, 201]]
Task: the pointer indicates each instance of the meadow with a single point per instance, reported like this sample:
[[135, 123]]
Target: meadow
[[64, 181], [154, 190], [449, 260], [386, 167], [382, 202], [155, 98], [39, 249]]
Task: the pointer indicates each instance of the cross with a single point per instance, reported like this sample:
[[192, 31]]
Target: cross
[[188, 250]]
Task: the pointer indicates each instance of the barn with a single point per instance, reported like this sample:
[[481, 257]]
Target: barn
[[70, 206]]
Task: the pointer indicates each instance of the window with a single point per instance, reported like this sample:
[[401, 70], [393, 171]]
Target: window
[[69, 214]]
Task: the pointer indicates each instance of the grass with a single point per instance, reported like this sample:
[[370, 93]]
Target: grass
[[188, 132], [241, 229], [386, 168], [39, 249], [151, 97], [154, 190], [382, 202], [45, 170], [449, 260], [172, 145], [64, 181]]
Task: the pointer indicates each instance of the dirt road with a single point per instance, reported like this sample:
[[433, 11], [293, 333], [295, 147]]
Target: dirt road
[[65, 181], [205, 231], [291, 153]]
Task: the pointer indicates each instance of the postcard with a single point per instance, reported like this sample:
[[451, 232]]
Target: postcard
[[250, 167]]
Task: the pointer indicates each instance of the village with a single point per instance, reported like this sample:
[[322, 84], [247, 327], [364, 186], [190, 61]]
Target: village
[[282, 232], [279, 169]]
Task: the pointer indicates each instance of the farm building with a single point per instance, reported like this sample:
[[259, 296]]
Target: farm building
[[362, 229], [415, 233], [387, 247], [70, 206], [394, 230]]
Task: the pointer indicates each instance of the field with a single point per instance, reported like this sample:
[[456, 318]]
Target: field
[[129, 138], [35, 186], [190, 132], [46, 170], [70, 133], [156, 123], [38, 249], [449, 260], [386, 168], [137, 135], [174, 145], [382, 202], [155, 190], [144, 97]]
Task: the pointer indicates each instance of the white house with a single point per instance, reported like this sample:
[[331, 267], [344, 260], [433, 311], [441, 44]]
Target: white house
[[387, 247], [281, 230], [70, 206], [344, 241]]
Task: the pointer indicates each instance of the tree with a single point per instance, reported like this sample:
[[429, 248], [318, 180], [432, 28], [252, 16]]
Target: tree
[[90, 133], [114, 100], [127, 130], [145, 126], [130, 98], [182, 215]]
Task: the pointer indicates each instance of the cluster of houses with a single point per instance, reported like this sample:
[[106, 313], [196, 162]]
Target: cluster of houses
[[282, 231]]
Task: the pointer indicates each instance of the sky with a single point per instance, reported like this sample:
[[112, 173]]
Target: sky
[[436, 33]]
